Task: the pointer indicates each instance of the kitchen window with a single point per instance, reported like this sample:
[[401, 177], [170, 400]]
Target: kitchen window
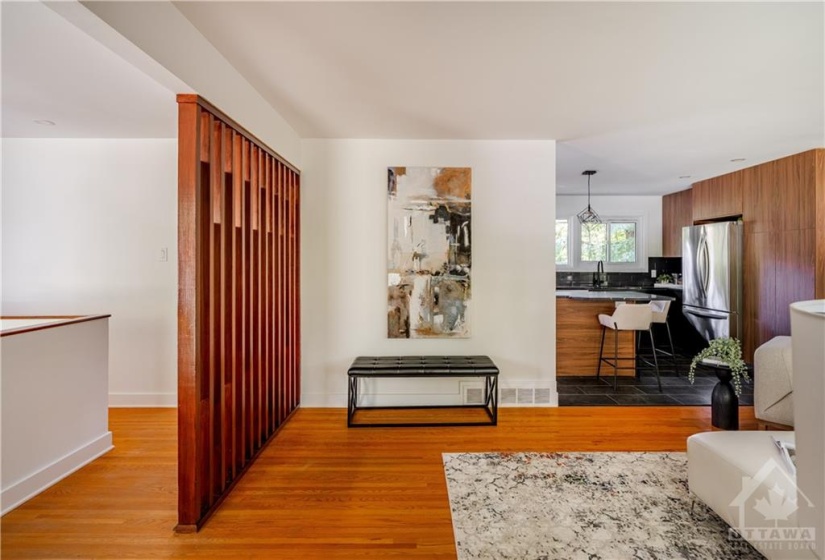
[[613, 241], [619, 241]]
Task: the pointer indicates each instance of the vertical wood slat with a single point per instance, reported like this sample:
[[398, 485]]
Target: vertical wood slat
[[239, 304], [189, 366], [296, 292], [282, 362]]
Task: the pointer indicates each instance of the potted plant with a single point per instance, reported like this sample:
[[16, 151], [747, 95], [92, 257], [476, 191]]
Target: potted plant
[[727, 351]]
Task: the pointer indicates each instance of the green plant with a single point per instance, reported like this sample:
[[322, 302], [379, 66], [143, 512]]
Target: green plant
[[664, 279], [728, 351]]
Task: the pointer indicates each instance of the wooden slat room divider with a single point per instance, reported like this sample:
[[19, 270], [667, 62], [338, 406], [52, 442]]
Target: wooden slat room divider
[[238, 303]]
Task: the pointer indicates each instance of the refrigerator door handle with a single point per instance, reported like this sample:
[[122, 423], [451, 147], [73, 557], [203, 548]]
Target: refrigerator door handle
[[705, 314], [703, 265]]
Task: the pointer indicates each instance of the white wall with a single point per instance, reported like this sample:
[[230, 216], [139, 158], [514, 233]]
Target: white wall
[[344, 254], [649, 207], [160, 30], [55, 409], [84, 222]]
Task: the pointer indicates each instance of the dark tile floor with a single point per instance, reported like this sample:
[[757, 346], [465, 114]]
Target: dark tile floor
[[632, 391]]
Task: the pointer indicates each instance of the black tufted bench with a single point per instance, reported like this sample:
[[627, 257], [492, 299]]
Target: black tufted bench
[[365, 367]]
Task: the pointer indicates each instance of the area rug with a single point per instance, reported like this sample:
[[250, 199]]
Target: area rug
[[608, 506]]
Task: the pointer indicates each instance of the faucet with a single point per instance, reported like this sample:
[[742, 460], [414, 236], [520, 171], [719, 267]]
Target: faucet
[[599, 275]]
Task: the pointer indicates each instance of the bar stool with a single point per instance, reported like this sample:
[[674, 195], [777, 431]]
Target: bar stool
[[660, 309], [629, 317]]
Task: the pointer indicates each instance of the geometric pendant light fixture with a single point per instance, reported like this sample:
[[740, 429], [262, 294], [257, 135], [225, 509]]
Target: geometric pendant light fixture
[[588, 215]]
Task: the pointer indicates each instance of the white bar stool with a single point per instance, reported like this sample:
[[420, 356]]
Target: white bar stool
[[630, 317], [660, 309]]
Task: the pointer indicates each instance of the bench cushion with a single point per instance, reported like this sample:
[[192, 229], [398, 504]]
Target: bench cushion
[[423, 365]]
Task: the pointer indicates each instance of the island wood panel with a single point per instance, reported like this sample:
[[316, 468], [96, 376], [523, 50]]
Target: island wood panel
[[718, 198], [235, 387], [677, 212], [579, 335]]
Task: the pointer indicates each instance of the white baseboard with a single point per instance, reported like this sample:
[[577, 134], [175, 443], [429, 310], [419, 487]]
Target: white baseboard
[[323, 400], [143, 400], [49, 475], [339, 400]]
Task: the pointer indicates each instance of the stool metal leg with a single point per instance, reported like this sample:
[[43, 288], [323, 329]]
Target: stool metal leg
[[655, 358], [672, 350], [601, 353], [616, 361]]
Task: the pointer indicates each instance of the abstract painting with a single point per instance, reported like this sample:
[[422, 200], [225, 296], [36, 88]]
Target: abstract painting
[[429, 256]]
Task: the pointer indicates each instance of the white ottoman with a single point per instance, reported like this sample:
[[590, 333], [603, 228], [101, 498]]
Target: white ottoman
[[773, 382], [731, 471]]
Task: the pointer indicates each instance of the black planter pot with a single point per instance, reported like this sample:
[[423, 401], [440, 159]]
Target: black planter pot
[[724, 404]]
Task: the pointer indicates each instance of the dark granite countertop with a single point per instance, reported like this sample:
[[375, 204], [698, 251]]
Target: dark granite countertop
[[617, 294]]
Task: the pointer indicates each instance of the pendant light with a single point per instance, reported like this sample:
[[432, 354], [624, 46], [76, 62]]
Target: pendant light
[[588, 215]]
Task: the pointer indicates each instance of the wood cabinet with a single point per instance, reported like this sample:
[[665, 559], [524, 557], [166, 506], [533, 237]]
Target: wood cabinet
[[677, 212], [795, 275], [759, 297], [782, 204], [718, 198], [783, 221]]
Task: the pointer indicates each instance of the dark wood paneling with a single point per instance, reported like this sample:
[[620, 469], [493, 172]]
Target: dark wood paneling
[[235, 389], [796, 192], [795, 263], [819, 182], [719, 197], [759, 303], [761, 196], [677, 212]]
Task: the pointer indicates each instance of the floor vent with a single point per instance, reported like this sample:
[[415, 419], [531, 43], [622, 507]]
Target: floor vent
[[508, 396], [473, 395], [541, 396], [525, 395]]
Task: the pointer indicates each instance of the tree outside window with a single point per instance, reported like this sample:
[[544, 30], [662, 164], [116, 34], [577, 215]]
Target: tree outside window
[[622, 242], [612, 242], [594, 242], [562, 240]]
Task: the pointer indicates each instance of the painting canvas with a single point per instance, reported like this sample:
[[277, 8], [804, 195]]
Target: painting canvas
[[429, 252]]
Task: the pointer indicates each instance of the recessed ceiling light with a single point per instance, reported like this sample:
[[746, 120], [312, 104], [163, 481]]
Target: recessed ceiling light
[[684, 176], [44, 122], [734, 160]]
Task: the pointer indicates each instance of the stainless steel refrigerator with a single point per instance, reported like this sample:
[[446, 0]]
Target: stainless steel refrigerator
[[712, 278]]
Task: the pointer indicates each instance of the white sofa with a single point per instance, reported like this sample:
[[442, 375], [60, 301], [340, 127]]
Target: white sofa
[[731, 471], [773, 383]]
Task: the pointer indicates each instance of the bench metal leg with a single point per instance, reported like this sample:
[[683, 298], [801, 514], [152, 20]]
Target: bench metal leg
[[352, 399]]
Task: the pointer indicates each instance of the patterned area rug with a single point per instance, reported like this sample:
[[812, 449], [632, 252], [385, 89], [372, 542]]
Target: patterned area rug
[[608, 506]]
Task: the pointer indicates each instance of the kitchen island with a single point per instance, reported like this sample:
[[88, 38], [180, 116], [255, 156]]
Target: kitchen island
[[579, 334]]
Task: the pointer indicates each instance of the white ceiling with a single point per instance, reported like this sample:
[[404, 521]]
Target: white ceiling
[[53, 71], [642, 92]]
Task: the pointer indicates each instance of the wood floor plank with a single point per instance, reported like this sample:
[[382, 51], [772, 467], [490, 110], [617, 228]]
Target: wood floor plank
[[318, 490]]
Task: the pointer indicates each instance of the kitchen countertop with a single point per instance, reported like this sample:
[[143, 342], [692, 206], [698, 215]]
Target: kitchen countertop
[[671, 286], [617, 295]]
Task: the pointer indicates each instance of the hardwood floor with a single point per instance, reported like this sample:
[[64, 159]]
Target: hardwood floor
[[318, 490]]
